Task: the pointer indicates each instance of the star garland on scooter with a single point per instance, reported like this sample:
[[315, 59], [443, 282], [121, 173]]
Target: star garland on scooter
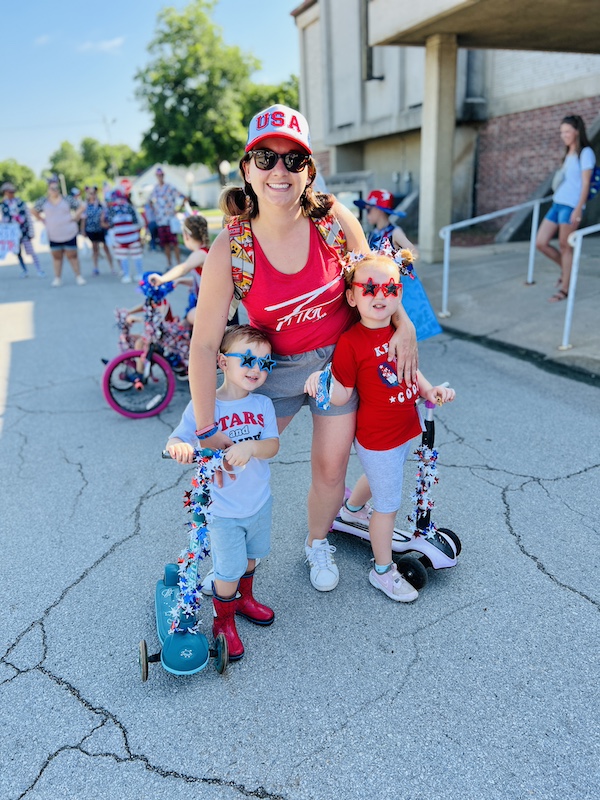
[[426, 480], [197, 501]]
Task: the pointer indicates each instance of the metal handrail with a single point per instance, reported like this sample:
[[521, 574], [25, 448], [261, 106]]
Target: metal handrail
[[446, 232], [575, 240]]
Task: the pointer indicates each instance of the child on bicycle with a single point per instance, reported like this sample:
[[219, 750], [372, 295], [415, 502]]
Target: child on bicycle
[[240, 529], [387, 417], [196, 239]]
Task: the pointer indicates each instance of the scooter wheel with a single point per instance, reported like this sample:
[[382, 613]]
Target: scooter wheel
[[451, 535], [412, 571], [143, 660], [222, 654]]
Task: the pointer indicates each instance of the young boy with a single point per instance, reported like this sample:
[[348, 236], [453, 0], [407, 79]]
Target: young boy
[[387, 417], [240, 530], [380, 205]]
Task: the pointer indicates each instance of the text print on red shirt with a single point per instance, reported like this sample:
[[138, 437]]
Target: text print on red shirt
[[303, 312]]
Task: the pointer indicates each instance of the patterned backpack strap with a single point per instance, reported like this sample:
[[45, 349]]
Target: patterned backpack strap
[[333, 233], [242, 255]]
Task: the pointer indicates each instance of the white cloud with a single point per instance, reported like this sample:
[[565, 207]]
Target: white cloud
[[104, 46], [41, 40]]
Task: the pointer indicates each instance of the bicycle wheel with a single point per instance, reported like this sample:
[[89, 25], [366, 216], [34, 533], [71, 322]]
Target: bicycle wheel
[[133, 398]]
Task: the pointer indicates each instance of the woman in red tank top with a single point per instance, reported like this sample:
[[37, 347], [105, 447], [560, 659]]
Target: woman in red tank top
[[297, 298]]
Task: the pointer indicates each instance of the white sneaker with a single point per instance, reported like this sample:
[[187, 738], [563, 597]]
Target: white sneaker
[[125, 279], [80, 280], [56, 283], [324, 574], [362, 516], [393, 585]]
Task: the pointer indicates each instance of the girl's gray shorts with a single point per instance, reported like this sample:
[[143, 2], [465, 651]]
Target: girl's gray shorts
[[285, 384]]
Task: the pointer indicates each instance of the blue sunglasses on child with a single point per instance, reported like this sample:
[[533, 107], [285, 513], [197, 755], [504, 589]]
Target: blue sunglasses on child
[[248, 359]]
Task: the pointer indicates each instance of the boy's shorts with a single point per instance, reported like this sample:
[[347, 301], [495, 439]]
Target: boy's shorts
[[234, 540], [285, 385], [384, 470], [559, 214]]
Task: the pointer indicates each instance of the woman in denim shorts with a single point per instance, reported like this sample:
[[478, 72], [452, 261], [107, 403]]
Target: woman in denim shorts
[[568, 203], [297, 298]]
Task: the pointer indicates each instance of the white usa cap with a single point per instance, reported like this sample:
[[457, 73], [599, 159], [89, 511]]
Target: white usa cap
[[280, 121]]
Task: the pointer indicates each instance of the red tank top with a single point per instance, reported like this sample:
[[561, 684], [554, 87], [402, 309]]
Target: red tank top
[[303, 311]]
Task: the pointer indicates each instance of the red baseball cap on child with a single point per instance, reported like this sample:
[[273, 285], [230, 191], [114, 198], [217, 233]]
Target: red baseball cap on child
[[381, 199], [280, 121]]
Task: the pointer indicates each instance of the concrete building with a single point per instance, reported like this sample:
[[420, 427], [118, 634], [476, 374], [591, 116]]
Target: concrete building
[[458, 103]]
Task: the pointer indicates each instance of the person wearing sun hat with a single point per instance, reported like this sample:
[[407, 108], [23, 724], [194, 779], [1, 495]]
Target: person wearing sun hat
[[380, 205], [280, 253], [14, 209]]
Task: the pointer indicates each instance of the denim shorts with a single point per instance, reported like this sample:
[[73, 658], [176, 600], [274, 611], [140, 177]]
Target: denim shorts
[[70, 245], [234, 540], [384, 470], [559, 214], [285, 385]]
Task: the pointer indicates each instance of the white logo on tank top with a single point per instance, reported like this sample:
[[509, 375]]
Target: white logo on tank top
[[303, 311]]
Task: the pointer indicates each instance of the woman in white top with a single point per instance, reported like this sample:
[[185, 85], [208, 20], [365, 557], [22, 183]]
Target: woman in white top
[[569, 201], [61, 217]]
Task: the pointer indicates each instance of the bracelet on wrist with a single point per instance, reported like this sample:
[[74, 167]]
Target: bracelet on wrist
[[206, 433]]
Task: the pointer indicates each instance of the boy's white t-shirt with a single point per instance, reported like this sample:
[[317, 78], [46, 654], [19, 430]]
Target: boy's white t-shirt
[[252, 417], [569, 190]]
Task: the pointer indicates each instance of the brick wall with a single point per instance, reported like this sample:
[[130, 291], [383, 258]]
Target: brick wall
[[516, 152]]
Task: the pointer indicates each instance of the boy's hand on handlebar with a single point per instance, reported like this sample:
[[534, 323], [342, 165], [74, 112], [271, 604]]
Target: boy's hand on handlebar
[[312, 383], [182, 452], [440, 395]]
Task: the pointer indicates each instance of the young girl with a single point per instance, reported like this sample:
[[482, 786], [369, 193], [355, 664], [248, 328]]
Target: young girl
[[568, 201], [387, 416], [195, 238]]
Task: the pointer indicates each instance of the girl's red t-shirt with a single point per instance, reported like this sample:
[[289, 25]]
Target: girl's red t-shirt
[[387, 414]]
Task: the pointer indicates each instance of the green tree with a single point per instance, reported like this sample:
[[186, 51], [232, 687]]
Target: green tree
[[194, 87], [28, 186], [68, 161], [262, 95]]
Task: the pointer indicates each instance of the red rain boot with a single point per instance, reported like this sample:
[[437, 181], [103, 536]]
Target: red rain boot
[[224, 622], [248, 607]]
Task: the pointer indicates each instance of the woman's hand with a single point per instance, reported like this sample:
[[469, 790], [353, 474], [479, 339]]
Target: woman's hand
[[403, 348], [576, 215], [218, 441], [155, 279]]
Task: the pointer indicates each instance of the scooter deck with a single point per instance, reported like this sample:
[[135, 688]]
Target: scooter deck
[[438, 549], [182, 652]]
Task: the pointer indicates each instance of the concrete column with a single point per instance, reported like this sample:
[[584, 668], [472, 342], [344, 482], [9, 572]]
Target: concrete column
[[437, 141]]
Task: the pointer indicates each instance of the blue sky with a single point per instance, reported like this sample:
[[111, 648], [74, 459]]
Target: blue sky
[[68, 66]]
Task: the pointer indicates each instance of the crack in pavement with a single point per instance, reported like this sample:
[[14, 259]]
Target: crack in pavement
[[533, 558], [104, 714], [131, 757]]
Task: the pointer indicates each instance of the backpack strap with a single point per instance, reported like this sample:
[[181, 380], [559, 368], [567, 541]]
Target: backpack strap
[[241, 246], [333, 233], [242, 255]]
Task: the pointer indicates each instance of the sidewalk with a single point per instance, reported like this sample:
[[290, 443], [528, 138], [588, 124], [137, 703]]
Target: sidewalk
[[491, 304]]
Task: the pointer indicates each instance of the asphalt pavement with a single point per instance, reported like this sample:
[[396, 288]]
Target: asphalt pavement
[[485, 688]]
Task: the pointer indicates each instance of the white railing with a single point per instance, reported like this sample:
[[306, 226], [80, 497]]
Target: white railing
[[446, 233], [575, 240]]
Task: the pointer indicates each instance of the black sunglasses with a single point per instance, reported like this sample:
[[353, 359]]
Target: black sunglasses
[[266, 159]]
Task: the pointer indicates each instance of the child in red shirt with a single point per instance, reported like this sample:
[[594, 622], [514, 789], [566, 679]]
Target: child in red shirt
[[387, 418]]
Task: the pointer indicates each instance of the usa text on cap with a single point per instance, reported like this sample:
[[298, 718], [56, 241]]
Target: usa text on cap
[[280, 121]]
